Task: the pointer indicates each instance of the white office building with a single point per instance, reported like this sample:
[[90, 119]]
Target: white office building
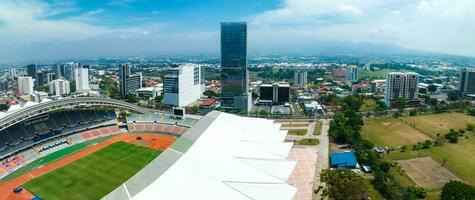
[[183, 85], [25, 84], [300, 77], [400, 85], [38, 96], [59, 87], [352, 74], [81, 76]]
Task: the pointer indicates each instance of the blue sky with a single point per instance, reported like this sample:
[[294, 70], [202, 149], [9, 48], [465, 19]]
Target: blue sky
[[33, 30]]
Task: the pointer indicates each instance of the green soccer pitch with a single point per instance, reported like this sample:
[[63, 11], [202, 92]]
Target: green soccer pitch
[[95, 175]]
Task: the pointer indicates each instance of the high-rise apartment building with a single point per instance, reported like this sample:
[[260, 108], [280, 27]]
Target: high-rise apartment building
[[234, 74], [59, 87], [128, 83], [351, 74], [3, 85], [81, 76], [400, 85], [300, 77], [58, 70], [25, 84], [467, 81], [32, 71], [69, 70], [183, 85]]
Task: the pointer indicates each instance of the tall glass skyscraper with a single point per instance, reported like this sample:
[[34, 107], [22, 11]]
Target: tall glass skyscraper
[[32, 70], [234, 74]]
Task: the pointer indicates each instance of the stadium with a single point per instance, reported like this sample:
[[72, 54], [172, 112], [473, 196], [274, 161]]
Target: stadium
[[80, 148]]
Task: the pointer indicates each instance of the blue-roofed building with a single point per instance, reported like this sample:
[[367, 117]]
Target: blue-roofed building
[[346, 159]]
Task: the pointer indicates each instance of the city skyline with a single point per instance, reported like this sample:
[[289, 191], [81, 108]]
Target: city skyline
[[42, 30]]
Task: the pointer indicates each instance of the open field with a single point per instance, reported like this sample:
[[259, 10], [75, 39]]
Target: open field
[[457, 158], [426, 172], [380, 74], [95, 175], [440, 123], [52, 158], [391, 132]]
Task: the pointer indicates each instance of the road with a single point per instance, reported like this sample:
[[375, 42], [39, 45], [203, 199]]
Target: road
[[323, 156]]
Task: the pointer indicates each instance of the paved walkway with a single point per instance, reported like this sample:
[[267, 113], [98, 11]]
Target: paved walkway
[[304, 173], [323, 156]]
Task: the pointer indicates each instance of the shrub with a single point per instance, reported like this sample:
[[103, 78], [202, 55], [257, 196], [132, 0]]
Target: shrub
[[470, 127]]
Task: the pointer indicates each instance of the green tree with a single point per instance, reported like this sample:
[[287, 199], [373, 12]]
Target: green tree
[[4, 106], [432, 88], [210, 93], [456, 190], [42, 88], [343, 184], [131, 98], [401, 104], [72, 86], [470, 127], [413, 112], [453, 95]]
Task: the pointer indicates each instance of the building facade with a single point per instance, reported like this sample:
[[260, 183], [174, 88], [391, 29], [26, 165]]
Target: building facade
[[276, 93], [234, 74], [467, 81], [183, 85], [69, 70], [351, 74], [57, 70], [4, 85], [32, 71], [25, 84], [81, 76], [300, 78], [59, 87], [128, 83], [39, 96], [400, 85]]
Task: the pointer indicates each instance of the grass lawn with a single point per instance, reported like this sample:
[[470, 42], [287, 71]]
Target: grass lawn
[[309, 141], [380, 74], [52, 157], [457, 157], [374, 194], [368, 105], [318, 128], [440, 123], [95, 175], [294, 124], [297, 132], [391, 132]]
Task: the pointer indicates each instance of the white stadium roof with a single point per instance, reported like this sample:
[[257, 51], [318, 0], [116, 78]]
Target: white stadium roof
[[223, 156]]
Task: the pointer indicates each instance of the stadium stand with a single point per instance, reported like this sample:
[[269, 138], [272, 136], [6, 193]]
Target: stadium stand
[[41, 128], [162, 123], [16, 161], [41, 135]]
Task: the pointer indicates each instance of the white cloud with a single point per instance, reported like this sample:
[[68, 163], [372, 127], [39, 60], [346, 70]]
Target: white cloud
[[432, 25]]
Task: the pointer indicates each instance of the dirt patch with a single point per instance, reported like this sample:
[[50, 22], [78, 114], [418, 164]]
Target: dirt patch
[[426, 172], [155, 141]]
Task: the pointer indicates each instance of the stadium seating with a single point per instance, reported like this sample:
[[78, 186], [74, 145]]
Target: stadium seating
[[17, 160], [161, 118], [161, 128], [41, 128]]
